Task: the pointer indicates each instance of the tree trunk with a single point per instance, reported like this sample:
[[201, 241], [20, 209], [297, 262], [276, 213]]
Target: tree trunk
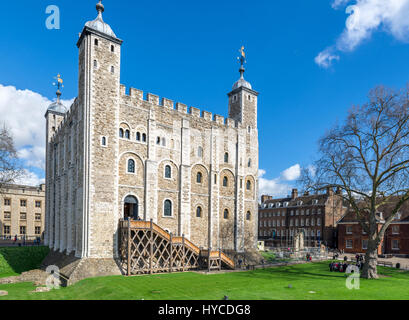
[[371, 261]]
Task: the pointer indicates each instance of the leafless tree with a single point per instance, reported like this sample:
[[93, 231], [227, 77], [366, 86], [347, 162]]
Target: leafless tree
[[367, 157], [10, 168]]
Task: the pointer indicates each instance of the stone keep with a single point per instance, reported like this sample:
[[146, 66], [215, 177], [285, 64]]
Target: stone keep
[[90, 147]]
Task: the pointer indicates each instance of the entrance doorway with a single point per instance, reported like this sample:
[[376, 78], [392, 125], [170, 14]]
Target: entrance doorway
[[131, 211]]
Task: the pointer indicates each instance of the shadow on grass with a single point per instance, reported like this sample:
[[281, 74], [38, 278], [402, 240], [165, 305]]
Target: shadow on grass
[[21, 259]]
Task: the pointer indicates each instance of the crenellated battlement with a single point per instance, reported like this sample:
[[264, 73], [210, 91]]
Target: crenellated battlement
[[179, 107]]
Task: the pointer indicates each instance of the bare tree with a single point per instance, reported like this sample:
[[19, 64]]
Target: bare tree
[[367, 157], [10, 168]]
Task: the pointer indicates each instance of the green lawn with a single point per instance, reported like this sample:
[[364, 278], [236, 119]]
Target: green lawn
[[268, 284], [15, 260]]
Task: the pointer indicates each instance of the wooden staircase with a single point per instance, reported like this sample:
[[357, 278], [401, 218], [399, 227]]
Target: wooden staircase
[[146, 248]]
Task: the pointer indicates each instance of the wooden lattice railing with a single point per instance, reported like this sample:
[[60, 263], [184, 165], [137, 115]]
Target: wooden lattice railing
[[146, 248]]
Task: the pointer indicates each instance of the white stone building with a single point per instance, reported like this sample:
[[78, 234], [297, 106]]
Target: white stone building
[[118, 154]]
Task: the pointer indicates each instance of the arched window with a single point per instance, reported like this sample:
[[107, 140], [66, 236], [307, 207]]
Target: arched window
[[226, 157], [199, 177], [168, 172], [199, 212], [167, 208], [127, 134], [248, 216], [200, 152], [131, 166], [249, 163], [248, 185], [164, 142], [158, 140], [121, 133], [226, 214], [95, 64], [143, 137], [138, 136], [112, 69], [225, 182], [104, 141]]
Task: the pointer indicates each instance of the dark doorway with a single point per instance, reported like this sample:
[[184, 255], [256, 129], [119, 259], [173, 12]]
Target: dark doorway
[[131, 208]]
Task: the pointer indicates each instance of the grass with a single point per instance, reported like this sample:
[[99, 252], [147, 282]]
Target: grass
[[267, 284], [15, 260]]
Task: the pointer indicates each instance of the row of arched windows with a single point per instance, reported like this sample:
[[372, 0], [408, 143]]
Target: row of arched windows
[[126, 134]]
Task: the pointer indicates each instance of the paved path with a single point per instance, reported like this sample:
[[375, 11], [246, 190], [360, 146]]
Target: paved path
[[404, 262]]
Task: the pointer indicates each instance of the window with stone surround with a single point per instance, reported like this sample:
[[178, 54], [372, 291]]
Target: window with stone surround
[[23, 203], [168, 172], [167, 208], [7, 202], [38, 204], [349, 229], [95, 64], [121, 133], [248, 185], [96, 42], [248, 216], [138, 136], [226, 214], [199, 177], [23, 216], [37, 230], [104, 141], [225, 182], [199, 212], [143, 137], [127, 134], [23, 230], [348, 243], [6, 230], [7, 215], [131, 166], [112, 48], [226, 158], [395, 229], [38, 216], [200, 152]]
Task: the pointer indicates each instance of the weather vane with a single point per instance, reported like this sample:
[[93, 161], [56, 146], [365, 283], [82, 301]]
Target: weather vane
[[59, 83], [242, 57]]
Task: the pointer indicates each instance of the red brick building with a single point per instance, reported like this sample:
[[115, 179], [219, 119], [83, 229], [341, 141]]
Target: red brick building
[[352, 239], [316, 215]]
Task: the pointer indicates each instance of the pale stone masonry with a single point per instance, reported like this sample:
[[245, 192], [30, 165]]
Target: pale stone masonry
[[22, 212], [118, 153]]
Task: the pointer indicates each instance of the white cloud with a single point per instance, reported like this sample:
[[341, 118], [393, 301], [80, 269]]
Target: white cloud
[[29, 179], [292, 173], [365, 18], [325, 58], [339, 3], [281, 186], [23, 113]]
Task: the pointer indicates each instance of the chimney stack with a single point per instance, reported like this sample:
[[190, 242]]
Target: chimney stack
[[330, 191], [264, 198], [294, 194]]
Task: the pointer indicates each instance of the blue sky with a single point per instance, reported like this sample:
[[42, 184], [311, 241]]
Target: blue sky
[[186, 51]]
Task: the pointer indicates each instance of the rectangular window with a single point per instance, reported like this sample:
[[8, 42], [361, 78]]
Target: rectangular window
[[38, 204], [37, 230], [7, 202], [395, 244], [364, 244], [23, 216], [395, 229], [38, 216], [7, 215], [22, 230], [23, 203], [349, 244], [6, 230], [349, 229]]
